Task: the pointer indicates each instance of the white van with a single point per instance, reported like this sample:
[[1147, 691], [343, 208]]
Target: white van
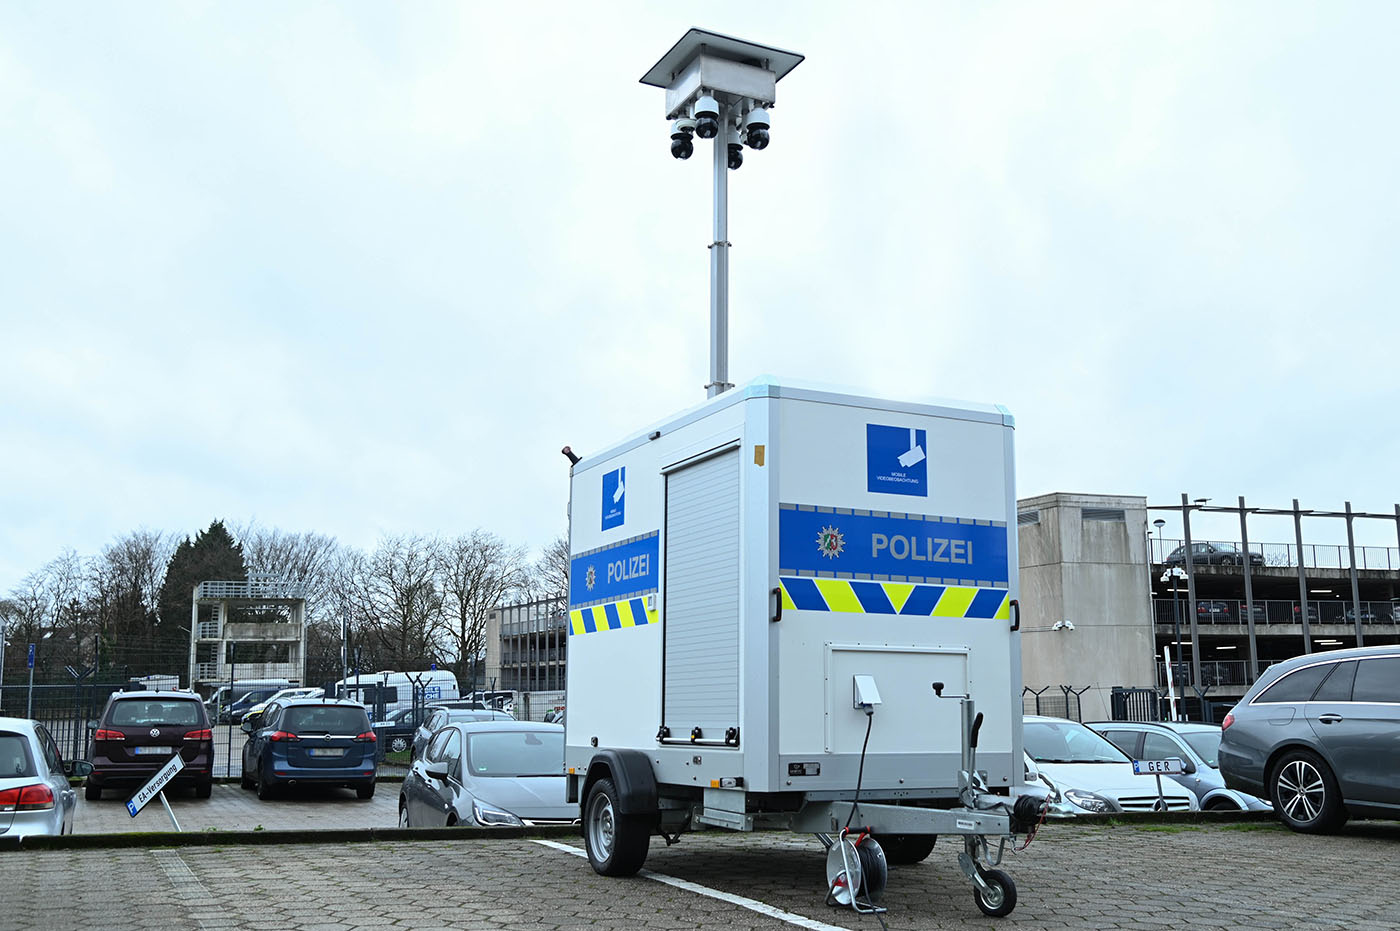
[[394, 690]]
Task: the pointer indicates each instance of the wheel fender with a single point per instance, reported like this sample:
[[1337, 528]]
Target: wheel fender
[[1229, 795], [631, 773]]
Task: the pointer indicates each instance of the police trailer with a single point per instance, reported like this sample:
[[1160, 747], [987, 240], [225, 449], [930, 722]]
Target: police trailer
[[797, 609]]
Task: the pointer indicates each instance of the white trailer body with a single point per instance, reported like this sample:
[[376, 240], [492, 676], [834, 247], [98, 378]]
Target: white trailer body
[[736, 569]]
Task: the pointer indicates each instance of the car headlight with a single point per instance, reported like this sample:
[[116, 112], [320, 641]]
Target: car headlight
[[490, 817], [1089, 801]]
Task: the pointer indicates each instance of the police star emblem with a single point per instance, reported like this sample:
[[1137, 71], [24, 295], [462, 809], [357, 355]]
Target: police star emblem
[[830, 542], [590, 578]]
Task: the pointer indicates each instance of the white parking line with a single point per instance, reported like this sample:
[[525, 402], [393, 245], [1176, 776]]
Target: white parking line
[[753, 905]]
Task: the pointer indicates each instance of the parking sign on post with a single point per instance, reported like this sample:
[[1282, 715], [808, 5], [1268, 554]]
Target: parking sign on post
[[1172, 766], [155, 788]]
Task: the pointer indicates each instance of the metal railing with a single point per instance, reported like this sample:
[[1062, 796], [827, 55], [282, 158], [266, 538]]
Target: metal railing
[[1271, 612], [251, 590], [1231, 672], [1285, 555]]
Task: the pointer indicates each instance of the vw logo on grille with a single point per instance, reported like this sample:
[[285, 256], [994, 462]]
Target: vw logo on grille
[[155, 732]]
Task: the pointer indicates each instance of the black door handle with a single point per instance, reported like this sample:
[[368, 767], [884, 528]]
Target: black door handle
[[1015, 614]]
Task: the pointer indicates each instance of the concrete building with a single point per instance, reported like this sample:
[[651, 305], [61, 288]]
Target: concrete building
[[526, 646], [1103, 594], [1085, 601], [254, 629]]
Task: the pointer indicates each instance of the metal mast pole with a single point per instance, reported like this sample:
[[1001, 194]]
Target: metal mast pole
[[719, 265]]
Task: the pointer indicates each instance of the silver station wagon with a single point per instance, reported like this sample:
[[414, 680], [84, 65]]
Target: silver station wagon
[[1320, 735]]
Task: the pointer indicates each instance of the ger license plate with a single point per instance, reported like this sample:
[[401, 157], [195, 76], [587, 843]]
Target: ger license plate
[[326, 751], [152, 751]]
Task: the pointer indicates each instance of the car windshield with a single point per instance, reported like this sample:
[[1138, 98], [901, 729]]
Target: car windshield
[[1068, 742], [141, 712], [325, 719], [516, 753], [1207, 746], [14, 755]]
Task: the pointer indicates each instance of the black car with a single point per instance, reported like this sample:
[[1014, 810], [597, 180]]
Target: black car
[[139, 732], [1213, 554]]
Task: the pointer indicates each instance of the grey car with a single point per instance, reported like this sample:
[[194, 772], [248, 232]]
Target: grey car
[[1320, 734], [489, 774], [34, 794], [1198, 748], [441, 716]]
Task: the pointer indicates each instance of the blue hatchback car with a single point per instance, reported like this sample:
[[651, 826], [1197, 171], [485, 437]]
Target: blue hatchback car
[[301, 741]]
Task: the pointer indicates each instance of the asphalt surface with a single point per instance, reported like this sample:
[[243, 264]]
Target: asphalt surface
[[1242, 876]]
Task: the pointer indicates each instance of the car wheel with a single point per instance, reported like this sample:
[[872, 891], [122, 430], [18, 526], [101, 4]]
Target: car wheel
[[92, 790], [203, 788], [1306, 794], [403, 814], [904, 849], [263, 786], [245, 781], [1222, 804], [616, 843], [398, 744], [365, 790], [999, 898]]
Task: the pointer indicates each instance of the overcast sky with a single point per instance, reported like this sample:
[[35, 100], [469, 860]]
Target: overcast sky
[[363, 268]]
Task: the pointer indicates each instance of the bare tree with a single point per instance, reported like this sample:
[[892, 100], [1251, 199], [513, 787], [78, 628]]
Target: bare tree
[[27, 609], [478, 570], [124, 585], [549, 576], [309, 558], [395, 600]]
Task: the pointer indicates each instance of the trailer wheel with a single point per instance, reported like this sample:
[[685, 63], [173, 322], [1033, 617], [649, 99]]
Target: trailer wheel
[[998, 902], [904, 849], [617, 843]]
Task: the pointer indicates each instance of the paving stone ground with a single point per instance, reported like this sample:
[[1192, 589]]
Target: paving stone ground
[[230, 808], [1238, 877]]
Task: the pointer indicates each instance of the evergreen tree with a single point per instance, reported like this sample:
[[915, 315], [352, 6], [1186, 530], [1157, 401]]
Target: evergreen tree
[[213, 555]]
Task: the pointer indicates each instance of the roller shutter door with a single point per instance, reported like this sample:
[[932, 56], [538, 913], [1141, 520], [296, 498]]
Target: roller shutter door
[[701, 665]]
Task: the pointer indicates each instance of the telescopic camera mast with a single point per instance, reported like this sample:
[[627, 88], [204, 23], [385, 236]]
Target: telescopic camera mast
[[721, 88]]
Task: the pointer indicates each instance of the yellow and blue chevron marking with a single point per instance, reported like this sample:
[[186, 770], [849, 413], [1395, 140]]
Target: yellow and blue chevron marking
[[631, 612], [906, 599]]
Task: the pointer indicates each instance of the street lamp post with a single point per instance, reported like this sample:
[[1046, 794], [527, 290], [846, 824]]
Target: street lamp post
[[721, 88]]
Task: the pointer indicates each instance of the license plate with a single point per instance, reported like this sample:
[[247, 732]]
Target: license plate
[[152, 751], [324, 751]]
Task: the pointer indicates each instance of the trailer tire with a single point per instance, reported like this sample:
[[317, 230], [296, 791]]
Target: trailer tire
[[616, 843], [1003, 898], [906, 849]]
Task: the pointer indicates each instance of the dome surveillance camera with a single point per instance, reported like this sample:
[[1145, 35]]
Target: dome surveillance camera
[[756, 128], [681, 145], [706, 117], [736, 150]]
